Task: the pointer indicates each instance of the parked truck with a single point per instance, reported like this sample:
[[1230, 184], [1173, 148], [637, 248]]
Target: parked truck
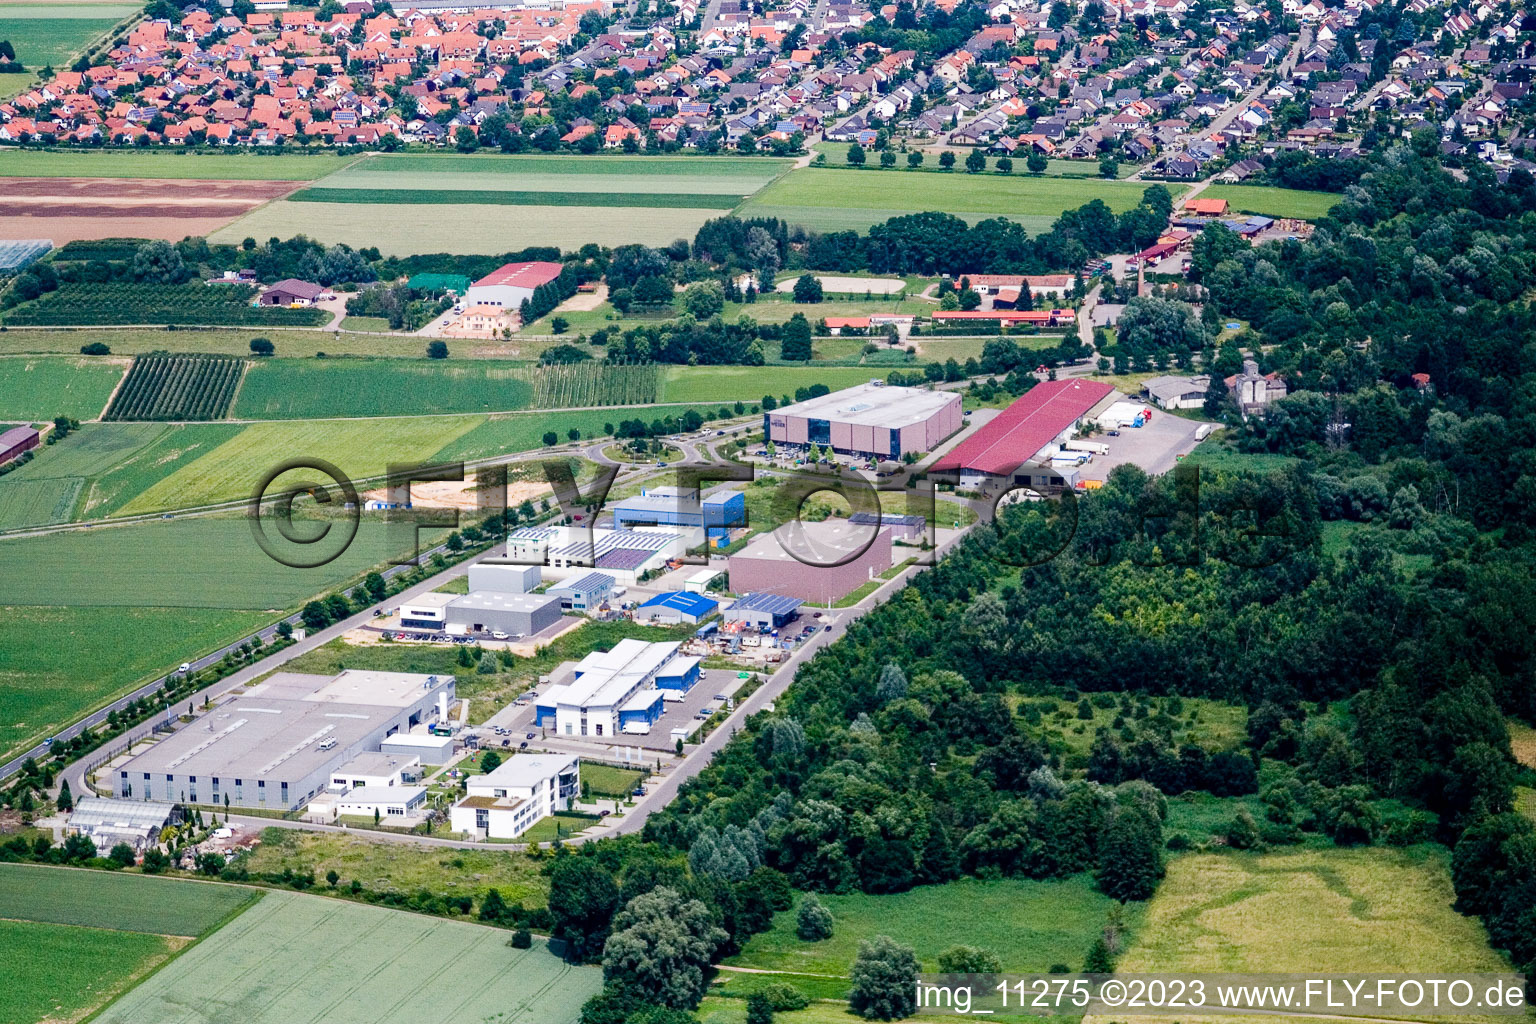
[[1204, 431], [1094, 447]]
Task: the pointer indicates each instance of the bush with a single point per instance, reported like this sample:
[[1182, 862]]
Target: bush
[[95, 348], [782, 996], [262, 347], [437, 350], [813, 921], [521, 939]]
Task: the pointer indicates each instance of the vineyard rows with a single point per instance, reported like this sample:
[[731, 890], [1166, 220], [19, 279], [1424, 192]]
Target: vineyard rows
[[133, 303], [177, 387], [579, 385]]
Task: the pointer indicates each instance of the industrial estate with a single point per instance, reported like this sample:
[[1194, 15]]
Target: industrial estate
[[678, 512]]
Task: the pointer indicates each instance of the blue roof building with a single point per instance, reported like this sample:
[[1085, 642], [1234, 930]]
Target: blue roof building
[[677, 607]]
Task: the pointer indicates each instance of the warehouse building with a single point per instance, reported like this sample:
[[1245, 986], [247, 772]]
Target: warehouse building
[[676, 607], [1008, 447], [625, 555], [522, 790], [763, 611], [588, 696], [513, 614], [871, 420], [376, 769], [510, 284], [425, 747], [816, 562], [903, 527], [584, 594], [503, 578], [17, 440], [385, 801], [714, 513], [277, 744]]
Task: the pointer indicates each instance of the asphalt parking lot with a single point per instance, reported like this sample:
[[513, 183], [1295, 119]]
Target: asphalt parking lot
[[1152, 447]]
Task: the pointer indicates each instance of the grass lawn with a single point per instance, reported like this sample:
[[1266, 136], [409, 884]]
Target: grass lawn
[[1209, 723], [293, 389], [469, 229], [606, 780], [61, 662], [524, 431], [837, 156], [879, 195], [751, 383], [1029, 924], [1343, 910], [724, 176], [1274, 202], [351, 955], [121, 902], [152, 163], [51, 36], [1522, 740], [507, 197], [46, 976], [40, 388], [384, 865], [556, 826], [361, 449], [1214, 454]]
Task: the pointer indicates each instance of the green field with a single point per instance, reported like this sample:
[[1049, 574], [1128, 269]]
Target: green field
[[60, 662], [830, 199], [37, 502], [606, 780], [120, 902], [295, 959], [1030, 925], [720, 176], [751, 383], [52, 36], [46, 976], [505, 197], [128, 163], [287, 389], [478, 229], [227, 341], [40, 388], [1274, 202], [1344, 910], [359, 448], [524, 431]]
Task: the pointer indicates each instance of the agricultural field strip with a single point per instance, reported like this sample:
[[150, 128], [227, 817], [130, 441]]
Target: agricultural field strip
[[118, 902], [996, 194], [124, 303], [499, 197], [193, 387], [611, 167], [180, 166], [543, 180]]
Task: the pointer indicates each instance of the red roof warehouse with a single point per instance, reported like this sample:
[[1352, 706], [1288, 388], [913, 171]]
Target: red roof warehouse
[[1017, 434], [510, 284]]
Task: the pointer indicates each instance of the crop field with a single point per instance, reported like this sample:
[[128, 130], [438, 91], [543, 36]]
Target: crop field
[[524, 431], [45, 977], [351, 954], [18, 253], [1029, 924], [359, 448], [86, 249], [168, 164], [125, 903], [1522, 741], [185, 387], [1346, 910], [37, 502], [832, 199], [507, 197], [111, 651], [34, 388], [225, 341], [1274, 202], [614, 175], [318, 388], [203, 563], [751, 383], [131, 303], [474, 229], [52, 35], [578, 385]]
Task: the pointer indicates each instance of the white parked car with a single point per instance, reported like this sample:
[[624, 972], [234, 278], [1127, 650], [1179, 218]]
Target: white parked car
[[497, 634]]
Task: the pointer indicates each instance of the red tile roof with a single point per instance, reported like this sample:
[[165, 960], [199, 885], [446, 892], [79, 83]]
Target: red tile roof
[[1018, 433], [521, 275]]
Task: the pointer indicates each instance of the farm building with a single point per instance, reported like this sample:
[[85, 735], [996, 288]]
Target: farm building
[[1177, 392], [522, 790], [1009, 317], [676, 607], [425, 747], [1205, 207], [873, 420], [17, 440], [107, 822], [1005, 446], [625, 555], [682, 506], [584, 594], [293, 292], [502, 577], [494, 612], [601, 693], [763, 611], [817, 562], [509, 285], [278, 743]]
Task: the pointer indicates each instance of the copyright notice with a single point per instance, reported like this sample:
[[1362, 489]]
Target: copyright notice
[[1340, 994]]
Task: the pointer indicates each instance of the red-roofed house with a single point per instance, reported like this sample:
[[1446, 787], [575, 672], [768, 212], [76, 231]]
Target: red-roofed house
[[1021, 433], [509, 285]]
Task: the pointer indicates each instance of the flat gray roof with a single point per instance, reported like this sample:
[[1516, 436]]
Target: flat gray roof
[[873, 405], [496, 601], [817, 544]]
